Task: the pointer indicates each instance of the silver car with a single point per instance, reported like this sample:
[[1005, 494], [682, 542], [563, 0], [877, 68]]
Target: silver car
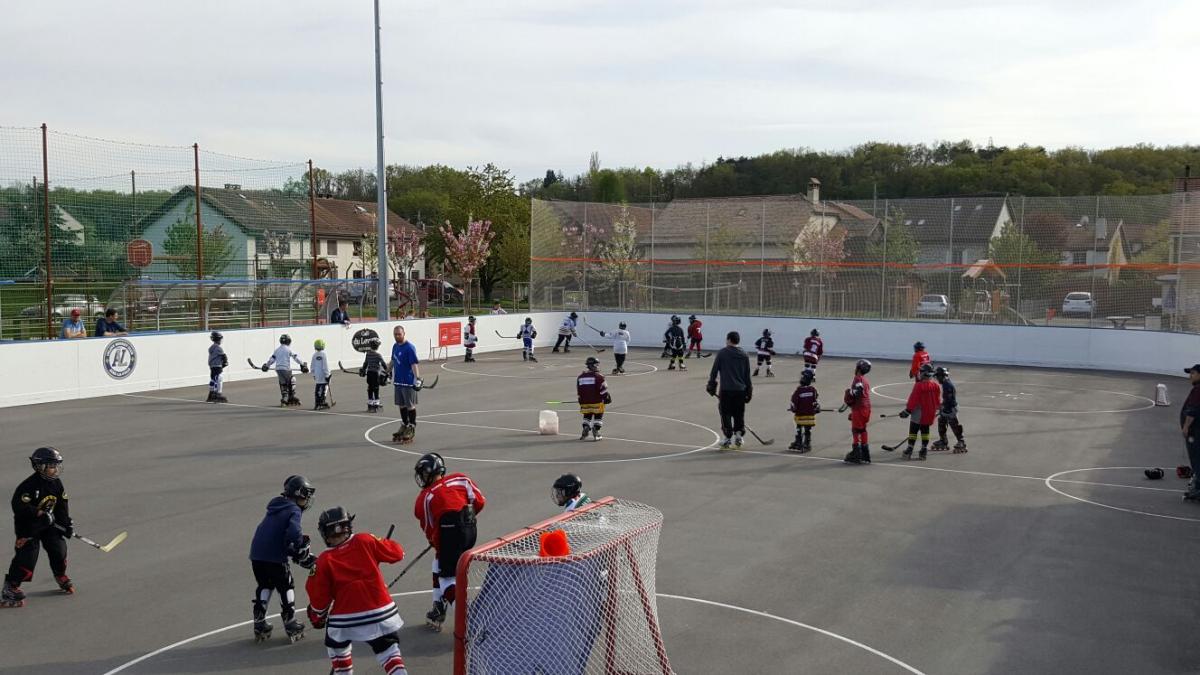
[[1078, 303], [933, 305]]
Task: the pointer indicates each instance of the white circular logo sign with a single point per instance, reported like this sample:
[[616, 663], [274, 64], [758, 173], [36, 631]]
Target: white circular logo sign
[[120, 358]]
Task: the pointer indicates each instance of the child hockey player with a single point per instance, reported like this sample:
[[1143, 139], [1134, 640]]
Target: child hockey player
[[320, 373], [804, 410], [376, 371], [814, 349], [593, 396], [923, 405], [347, 577], [282, 360], [526, 334], [470, 339], [568, 492], [676, 343], [446, 509], [278, 538], [566, 331], [666, 339], [694, 336], [948, 413], [765, 348], [42, 518], [858, 399], [621, 339], [920, 358], [217, 363]]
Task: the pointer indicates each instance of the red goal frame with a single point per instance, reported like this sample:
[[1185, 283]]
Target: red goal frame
[[462, 584]]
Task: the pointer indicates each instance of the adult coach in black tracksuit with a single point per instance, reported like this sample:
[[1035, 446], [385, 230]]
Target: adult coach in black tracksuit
[[1191, 432], [732, 366]]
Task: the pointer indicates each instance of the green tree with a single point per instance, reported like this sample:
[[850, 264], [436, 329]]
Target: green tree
[[1014, 250], [898, 246], [180, 244]]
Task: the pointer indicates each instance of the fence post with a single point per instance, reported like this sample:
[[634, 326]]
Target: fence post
[[651, 257], [199, 242], [587, 253], [762, 257], [1020, 255], [707, 209], [312, 219], [46, 226], [883, 268], [950, 269]]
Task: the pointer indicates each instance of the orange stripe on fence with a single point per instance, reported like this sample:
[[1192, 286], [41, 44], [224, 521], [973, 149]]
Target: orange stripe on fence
[[1079, 267]]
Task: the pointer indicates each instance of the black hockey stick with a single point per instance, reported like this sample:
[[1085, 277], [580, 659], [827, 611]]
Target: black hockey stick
[[409, 565], [430, 386], [598, 351], [893, 448], [506, 337], [390, 531], [589, 325], [105, 548], [883, 415], [252, 364], [753, 433], [351, 372]]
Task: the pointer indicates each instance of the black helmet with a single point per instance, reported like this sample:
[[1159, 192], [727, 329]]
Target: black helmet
[[918, 346], [926, 370], [1152, 474], [941, 373], [285, 339], [528, 320], [692, 318], [566, 488], [766, 332], [471, 319], [44, 457], [815, 333], [297, 488], [807, 377], [216, 336], [675, 320], [592, 363], [573, 315], [429, 468], [334, 522], [621, 325], [863, 366]]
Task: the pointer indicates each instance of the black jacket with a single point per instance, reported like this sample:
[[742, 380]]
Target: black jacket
[[732, 364], [34, 494], [675, 337]]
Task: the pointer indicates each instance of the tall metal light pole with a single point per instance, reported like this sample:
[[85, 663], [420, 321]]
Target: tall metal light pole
[[383, 312]]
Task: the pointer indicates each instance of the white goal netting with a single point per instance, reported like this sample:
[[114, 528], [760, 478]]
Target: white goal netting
[[592, 611]]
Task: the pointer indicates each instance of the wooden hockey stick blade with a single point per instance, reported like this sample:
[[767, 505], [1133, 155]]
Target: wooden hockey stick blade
[[116, 541], [409, 565]]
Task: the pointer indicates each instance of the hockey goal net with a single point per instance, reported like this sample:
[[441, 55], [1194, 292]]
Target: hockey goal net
[[591, 611]]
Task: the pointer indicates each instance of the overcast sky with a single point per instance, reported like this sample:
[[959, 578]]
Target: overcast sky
[[537, 84]]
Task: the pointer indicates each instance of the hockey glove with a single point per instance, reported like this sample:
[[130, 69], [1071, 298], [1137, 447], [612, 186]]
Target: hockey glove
[[265, 367], [362, 372], [534, 335], [904, 414], [317, 619], [224, 361], [607, 399], [304, 368], [418, 383], [711, 388], [68, 531], [21, 541], [749, 395]]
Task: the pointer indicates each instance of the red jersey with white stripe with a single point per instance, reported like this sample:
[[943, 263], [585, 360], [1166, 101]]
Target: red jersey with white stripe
[[591, 388], [924, 401], [919, 359], [694, 330], [348, 577], [814, 348], [448, 494]]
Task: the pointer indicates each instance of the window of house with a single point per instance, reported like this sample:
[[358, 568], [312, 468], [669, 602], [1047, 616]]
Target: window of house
[[331, 247], [357, 249], [357, 274]]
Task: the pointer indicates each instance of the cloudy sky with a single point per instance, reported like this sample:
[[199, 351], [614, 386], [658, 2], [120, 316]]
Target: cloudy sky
[[537, 84]]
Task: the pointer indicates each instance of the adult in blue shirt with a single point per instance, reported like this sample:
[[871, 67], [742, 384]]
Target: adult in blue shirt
[[340, 315], [73, 327], [108, 326], [406, 375]]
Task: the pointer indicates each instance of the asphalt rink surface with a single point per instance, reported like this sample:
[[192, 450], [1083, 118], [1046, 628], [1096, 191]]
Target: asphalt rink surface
[[1042, 550]]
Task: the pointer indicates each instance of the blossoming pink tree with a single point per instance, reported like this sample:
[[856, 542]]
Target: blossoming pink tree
[[405, 248], [467, 251]]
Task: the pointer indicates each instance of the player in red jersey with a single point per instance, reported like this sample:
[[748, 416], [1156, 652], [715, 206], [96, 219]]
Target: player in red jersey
[[920, 358], [858, 399], [348, 597], [694, 336], [923, 405], [814, 349], [593, 396], [446, 509]]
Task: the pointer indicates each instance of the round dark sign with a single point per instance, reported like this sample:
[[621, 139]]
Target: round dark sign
[[362, 340]]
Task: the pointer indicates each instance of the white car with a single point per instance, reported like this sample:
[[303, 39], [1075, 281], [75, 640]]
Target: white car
[[933, 305], [1078, 302]]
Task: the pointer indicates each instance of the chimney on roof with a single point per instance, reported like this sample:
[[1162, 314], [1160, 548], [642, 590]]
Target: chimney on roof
[[814, 190]]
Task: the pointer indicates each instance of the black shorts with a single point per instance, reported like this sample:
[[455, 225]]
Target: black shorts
[[456, 537]]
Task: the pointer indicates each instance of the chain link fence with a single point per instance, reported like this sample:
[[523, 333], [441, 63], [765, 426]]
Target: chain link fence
[[1100, 262]]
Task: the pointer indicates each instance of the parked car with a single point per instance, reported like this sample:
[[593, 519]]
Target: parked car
[[1079, 303], [449, 293], [87, 305], [933, 305]]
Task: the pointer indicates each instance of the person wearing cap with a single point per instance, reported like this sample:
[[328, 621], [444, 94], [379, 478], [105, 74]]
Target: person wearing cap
[[73, 327], [1191, 432]]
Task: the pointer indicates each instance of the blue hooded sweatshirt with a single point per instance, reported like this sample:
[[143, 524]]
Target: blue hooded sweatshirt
[[278, 535]]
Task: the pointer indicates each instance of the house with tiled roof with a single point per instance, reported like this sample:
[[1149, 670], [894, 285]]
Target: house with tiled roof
[[272, 232], [952, 230]]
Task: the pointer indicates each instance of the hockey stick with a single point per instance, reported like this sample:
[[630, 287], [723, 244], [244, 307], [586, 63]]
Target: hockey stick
[[598, 351], [329, 391], [506, 337], [431, 386], [753, 433], [589, 325], [409, 565], [883, 415], [105, 548], [252, 364], [390, 531], [893, 448], [348, 372]]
